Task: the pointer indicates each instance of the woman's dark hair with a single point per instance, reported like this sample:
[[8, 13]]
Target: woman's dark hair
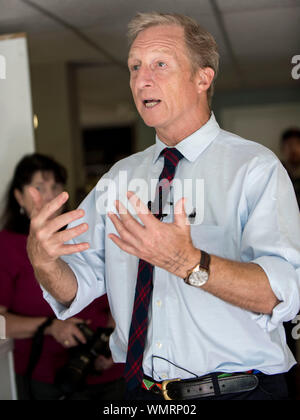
[[11, 218]]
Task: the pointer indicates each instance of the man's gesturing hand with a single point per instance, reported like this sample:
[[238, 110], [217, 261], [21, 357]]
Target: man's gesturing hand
[[166, 245], [45, 242]]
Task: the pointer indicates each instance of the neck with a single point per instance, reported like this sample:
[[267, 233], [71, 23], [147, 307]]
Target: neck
[[174, 135]]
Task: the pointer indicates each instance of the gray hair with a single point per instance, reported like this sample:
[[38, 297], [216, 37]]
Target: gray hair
[[201, 46]]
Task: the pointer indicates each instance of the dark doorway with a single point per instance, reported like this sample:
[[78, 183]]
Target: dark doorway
[[104, 146]]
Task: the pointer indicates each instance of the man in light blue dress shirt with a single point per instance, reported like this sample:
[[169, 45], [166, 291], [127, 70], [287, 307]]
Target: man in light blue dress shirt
[[239, 208]]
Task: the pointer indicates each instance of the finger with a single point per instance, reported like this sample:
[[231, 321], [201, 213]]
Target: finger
[[50, 208], [37, 201], [69, 249], [68, 234], [77, 334], [76, 320], [69, 342], [64, 219], [180, 216], [121, 229], [123, 245], [128, 221], [141, 209]]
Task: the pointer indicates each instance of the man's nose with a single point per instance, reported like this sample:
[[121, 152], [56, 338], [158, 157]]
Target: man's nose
[[144, 77]]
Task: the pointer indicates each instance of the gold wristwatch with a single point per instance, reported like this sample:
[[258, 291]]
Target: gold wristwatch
[[199, 274]]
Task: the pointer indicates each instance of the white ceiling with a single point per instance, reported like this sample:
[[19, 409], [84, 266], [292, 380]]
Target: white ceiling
[[256, 38]]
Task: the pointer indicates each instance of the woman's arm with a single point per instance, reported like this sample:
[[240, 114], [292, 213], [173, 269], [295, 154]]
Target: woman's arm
[[18, 326], [64, 332]]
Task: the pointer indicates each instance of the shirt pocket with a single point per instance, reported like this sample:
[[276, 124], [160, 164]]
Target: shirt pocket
[[209, 238]]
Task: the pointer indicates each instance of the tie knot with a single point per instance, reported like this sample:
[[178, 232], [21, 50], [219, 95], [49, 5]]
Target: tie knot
[[172, 156]]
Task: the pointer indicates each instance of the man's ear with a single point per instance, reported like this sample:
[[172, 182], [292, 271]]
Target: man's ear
[[205, 76]]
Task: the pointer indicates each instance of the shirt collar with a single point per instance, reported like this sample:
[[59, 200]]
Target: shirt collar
[[192, 146]]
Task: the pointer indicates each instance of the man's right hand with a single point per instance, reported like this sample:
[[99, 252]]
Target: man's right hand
[[46, 243]]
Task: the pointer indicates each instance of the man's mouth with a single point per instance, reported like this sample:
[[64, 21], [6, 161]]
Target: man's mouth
[[150, 103]]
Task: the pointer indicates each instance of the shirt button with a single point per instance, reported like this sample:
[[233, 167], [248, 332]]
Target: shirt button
[[159, 345], [164, 375], [158, 303]]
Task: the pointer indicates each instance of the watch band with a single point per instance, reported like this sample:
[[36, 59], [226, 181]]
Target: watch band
[[204, 264], [205, 260]]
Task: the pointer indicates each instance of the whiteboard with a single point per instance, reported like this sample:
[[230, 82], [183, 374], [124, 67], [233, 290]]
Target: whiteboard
[[262, 123], [16, 120]]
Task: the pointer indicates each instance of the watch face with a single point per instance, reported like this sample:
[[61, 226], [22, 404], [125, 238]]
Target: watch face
[[198, 278]]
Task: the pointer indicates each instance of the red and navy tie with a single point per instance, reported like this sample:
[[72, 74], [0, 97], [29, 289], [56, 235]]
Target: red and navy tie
[[139, 322]]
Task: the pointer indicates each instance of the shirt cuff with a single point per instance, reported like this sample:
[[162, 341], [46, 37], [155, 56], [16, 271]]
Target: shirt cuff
[[284, 281], [87, 291]]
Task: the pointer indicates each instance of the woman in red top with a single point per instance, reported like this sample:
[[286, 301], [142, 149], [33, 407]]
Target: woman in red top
[[22, 303]]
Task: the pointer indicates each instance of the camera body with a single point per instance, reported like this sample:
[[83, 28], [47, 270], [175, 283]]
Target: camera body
[[72, 376]]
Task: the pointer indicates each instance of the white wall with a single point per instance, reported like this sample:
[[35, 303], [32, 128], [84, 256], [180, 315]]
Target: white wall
[[262, 123], [16, 121]]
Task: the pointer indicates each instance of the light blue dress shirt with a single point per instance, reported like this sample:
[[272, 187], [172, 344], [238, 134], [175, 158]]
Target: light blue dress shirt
[[246, 211]]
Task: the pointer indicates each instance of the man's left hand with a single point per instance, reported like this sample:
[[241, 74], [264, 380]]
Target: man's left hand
[[166, 245]]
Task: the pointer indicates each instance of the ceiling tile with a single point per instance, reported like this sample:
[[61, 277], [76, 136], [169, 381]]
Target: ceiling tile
[[264, 35], [231, 6], [112, 14], [16, 16]]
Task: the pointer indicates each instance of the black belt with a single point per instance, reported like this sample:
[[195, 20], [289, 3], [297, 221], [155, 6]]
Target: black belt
[[204, 386]]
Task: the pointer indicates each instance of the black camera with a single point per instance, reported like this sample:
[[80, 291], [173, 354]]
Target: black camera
[[71, 377]]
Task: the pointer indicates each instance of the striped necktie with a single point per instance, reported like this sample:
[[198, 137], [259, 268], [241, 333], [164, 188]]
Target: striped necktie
[[139, 322]]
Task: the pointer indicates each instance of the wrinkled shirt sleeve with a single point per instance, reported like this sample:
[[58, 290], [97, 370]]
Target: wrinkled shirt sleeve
[[271, 238], [88, 266]]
